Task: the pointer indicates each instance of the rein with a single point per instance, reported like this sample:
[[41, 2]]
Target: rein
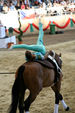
[[7, 73]]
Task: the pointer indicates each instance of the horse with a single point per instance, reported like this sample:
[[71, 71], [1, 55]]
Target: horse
[[33, 76]]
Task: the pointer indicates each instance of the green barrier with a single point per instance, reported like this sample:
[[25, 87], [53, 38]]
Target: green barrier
[[10, 31], [52, 28]]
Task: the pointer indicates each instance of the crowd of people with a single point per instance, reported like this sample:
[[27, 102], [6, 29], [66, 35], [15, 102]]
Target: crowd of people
[[5, 5]]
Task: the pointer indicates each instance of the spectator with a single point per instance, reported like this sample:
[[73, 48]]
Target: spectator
[[43, 4], [5, 8], [14, 2], [18, 6], [40, 1], [11, 6], [31, 3], [56, 3], [63, 3], [49, 4], [27, 4], [22, 6], [36, 2], [46, 2], [1, 5]]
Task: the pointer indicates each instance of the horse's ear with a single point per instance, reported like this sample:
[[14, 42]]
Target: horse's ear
[[52, 53], [60, 55]]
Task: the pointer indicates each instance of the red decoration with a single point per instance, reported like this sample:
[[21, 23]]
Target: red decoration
[[16, 31], [61, 27], [47, 26], [35, 26], [24, 30], [73, 21]]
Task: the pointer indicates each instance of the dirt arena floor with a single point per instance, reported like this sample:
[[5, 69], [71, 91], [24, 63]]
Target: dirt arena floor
[[44, 103]]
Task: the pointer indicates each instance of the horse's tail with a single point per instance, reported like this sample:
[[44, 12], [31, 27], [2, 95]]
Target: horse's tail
[[18, 84]]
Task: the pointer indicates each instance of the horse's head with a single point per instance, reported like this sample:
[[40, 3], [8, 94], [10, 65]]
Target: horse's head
[[57, 57]]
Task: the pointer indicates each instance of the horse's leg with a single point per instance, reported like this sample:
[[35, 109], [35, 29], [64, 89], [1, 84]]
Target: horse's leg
[[29, 100], [58, 97], [63, 102], [56, 88], [21, 100], [56, 101]]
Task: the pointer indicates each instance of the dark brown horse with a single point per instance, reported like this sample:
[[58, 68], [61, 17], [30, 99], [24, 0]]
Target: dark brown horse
[[33, 76]]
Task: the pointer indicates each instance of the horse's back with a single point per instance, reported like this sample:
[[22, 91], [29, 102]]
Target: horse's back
[[37, 75]]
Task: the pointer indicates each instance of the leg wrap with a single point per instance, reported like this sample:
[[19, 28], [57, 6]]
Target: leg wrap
[[56, 108], [64, 104], [27, 112]]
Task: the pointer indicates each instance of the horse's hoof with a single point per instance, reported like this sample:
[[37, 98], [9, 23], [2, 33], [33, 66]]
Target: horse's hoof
[[67, 109]]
